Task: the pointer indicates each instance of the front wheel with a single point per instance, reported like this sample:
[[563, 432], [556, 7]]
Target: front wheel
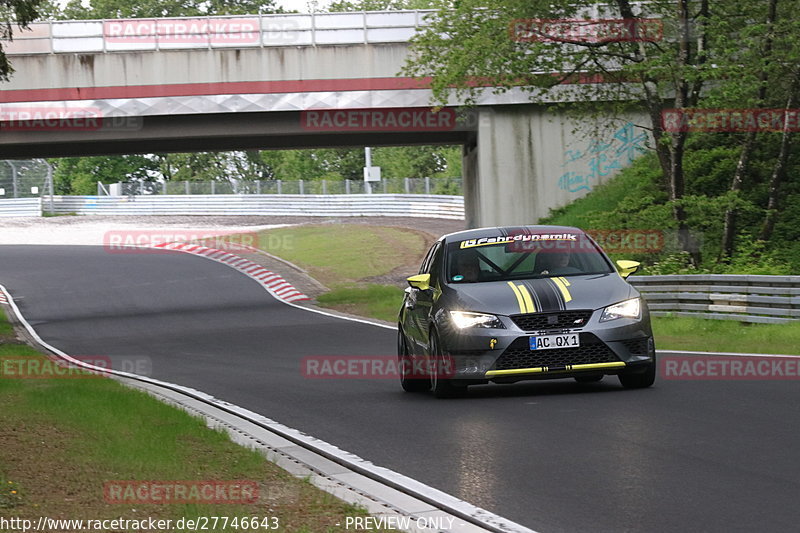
[[440, 368], [408, 380], [639, 380]]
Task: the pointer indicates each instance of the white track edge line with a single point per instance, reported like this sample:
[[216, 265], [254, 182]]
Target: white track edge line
[[730, 354], [415, 488]]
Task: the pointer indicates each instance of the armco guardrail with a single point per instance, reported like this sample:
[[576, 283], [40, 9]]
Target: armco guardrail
[[426, 185], [353, 205], [21, 207], [747, 298]]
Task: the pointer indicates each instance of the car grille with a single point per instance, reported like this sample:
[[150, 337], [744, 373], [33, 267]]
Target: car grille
[[519, 355], [636, 346], [555, 320]]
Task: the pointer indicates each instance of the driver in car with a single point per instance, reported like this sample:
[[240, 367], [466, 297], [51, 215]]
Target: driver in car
[[468, 268], [554, 263]]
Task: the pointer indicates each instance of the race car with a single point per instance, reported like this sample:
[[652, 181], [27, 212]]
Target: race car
[[505, 304]]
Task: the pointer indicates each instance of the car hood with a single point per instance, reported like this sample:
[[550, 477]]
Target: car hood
[[543, 294]]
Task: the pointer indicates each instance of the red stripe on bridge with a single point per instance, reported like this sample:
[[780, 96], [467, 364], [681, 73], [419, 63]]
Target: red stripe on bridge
[[206, 89]]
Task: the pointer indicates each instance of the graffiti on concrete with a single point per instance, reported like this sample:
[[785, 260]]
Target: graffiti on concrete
[[600, 158]]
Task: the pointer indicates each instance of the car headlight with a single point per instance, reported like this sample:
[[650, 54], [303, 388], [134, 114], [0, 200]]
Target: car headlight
[[464, 319], [628, 309]]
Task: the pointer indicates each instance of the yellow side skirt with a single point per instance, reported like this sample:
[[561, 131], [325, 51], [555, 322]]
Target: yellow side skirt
[[541, 369]]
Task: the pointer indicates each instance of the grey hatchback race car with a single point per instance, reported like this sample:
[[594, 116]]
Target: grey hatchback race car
[[506, 304]]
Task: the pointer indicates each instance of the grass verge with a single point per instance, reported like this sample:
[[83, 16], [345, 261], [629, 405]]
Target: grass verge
[[64, 438], [345, 254], [364, 266], [342, 256], [697, 334], [374, 301]]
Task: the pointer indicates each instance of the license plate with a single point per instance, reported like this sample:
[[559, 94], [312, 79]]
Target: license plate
[[551, 342]]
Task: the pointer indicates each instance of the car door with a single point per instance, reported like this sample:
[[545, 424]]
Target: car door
[[418, 303]]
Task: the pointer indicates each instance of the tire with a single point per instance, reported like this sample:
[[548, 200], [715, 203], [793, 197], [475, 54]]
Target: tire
[[640, 380], [409, 384], [589, 379], [442, 387]]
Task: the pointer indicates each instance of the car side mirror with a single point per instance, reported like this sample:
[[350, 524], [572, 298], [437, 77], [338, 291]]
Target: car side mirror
[[420, 281], [626, 268]]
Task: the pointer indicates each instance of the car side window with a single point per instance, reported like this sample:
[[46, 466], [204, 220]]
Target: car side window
[[426, 263], [435, 267]]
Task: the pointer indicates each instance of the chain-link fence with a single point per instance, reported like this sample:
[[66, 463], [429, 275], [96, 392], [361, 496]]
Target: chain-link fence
[[449, 186], [28, 178]]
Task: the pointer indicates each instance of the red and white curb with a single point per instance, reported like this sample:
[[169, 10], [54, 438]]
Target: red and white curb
[[3, 298], [275, 284]]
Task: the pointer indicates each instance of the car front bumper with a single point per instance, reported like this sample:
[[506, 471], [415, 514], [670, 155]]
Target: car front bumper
[[478, 355]]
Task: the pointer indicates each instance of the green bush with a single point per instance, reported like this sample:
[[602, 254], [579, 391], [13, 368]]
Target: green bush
[[636, 199]]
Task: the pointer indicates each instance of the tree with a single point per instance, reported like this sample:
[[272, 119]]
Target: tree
[[79, 175], [759, 62], [472, 44], [781, 162], [18, 13]]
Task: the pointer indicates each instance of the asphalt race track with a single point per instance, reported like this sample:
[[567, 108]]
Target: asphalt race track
[[554, 456]]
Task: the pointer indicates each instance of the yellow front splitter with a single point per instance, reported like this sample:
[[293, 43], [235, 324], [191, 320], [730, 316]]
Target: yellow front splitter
[[544, 369]]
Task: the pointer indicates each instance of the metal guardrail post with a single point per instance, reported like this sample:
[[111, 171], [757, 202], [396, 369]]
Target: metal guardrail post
[[313, 30], [347, 186], [213, 187], [383, 182], [407, 185], [165, 187], [324, 186], [186, 186], [13, 177], [427, 185], [301, 187], [279, 186], [260, 27], [258, 186], [50, 186]]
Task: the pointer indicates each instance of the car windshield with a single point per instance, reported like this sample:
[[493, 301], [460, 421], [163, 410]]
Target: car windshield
[[523, 256]]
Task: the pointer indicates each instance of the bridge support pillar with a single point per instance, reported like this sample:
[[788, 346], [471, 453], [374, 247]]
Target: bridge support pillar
[[527, 160], [502, 173]]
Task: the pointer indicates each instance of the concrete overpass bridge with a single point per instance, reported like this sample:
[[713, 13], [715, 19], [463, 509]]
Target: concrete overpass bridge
[[287, 81]]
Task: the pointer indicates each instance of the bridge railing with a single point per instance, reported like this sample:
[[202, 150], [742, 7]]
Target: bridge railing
[[240, 31], [746, 298]]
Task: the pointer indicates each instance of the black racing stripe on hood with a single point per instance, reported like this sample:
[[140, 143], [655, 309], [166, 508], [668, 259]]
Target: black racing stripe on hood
[[548, 297]]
